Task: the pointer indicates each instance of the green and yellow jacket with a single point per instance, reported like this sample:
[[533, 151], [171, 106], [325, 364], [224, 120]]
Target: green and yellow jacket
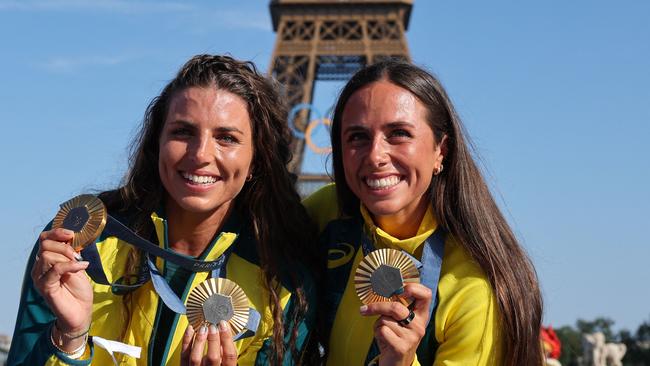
[[464, 329], [136, 319]]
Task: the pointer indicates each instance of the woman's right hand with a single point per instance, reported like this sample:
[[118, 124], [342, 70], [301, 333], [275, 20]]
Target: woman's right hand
[[62, 281], [398, 340]]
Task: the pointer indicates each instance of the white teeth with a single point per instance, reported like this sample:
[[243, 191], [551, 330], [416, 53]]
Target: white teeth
[[383, 182], [199, 179]]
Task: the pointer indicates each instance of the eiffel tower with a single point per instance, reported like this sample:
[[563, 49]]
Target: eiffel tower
[[330, 40]]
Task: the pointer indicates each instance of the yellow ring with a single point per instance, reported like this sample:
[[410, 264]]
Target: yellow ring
[[315, 148]]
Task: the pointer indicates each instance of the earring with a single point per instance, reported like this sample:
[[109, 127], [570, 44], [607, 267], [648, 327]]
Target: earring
[[250, 176], [439, 169]]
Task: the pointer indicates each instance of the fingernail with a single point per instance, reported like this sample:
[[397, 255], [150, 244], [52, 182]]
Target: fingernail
[[68, 232], [223, 326], [363, 309], [203, 330], [84, 263], [78, 257], [188, 330], [213, 329]]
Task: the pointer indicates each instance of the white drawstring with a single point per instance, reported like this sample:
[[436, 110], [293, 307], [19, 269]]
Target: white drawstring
[[114, 346]]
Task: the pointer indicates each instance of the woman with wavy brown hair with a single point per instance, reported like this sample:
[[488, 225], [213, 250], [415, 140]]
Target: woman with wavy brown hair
[[405, 179], [208, 182]]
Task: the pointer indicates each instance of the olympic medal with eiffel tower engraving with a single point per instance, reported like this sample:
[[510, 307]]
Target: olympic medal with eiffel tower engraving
[[381, 275], [85, 215], [217, 299]]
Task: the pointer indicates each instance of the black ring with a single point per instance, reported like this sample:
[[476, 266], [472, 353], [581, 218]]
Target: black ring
[[409, 318]]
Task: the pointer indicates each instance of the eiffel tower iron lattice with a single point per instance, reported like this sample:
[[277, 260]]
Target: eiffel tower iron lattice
[[330, 40]]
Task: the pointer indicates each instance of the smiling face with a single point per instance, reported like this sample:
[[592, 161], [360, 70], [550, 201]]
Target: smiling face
[[388, 150], [206, 150]]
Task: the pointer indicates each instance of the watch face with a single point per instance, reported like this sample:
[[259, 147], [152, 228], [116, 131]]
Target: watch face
[[218, 299], [381, 275], [85, 215]]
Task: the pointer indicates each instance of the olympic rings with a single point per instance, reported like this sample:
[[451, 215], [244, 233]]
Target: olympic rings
[[307, 134], [310, 127]]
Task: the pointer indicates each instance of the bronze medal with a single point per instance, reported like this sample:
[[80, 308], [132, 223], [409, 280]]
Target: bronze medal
[[85, 215], [381, 275], [218, 299]]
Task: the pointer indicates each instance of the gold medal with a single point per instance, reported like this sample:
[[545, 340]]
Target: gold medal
[[218, 299], [381, 275], [85, 215]]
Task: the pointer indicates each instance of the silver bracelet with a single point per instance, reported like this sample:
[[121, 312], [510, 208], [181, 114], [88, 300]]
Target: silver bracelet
[[77, 352]]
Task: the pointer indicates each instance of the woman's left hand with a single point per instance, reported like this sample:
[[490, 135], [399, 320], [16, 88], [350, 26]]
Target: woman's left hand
[[221, 347], [397, 342]]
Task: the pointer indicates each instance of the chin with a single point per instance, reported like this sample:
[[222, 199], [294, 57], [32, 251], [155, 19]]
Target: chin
[[382, 208], [197, 205]]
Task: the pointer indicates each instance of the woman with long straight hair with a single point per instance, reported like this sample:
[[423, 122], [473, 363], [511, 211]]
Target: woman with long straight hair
[[208, 183], [405, 179]]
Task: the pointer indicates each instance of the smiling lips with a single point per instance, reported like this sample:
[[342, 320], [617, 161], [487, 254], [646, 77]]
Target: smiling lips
[[199, 179], [383, 183]]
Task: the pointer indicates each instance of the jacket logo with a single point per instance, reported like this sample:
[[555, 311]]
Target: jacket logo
[[341, 254]]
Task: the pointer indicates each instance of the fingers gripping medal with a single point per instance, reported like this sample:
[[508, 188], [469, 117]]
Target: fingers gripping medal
[[85, 215], [218, 299], [381, 275]]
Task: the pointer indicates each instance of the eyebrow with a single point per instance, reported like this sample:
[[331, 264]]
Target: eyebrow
[[222, 129], [400, 124], [229, 129], [396, 124], [355, 128]]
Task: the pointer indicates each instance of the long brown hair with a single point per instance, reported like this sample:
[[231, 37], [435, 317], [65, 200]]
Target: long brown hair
[[463, 205], [269, 200]]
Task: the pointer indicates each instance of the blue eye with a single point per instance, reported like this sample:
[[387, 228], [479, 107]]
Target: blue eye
[[400, 133], [229, 139]]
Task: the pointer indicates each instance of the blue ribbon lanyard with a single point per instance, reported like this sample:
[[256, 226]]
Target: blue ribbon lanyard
[[165, 291], [150, 272], [429, 267], [115, 228]]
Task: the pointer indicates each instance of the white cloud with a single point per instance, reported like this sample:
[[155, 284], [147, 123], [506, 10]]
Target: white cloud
[[69, 64], [238, 20], [200, 18], [117, 6]]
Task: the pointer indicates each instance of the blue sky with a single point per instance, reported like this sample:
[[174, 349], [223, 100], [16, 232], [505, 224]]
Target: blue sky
[[554, 95]]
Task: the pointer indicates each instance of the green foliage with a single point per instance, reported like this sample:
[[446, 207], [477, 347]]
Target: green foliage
[[571, 345], [603, 325], [638, 344]]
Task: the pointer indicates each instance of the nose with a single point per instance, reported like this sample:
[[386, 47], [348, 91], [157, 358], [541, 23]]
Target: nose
[[378, 153], [200, 150]]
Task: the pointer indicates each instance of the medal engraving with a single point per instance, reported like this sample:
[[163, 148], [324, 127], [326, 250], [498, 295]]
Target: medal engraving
[[386, 280], [217, 308], [76, 219]]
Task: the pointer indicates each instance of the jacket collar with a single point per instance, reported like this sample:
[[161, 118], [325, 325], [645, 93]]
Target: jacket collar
[[219, 244], [383, 239]]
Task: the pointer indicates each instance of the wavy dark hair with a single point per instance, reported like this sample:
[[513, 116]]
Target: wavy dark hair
[[463, 205], [268, 200]]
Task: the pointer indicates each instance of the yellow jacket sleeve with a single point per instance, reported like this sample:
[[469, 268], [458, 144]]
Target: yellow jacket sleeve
[[322, 206]]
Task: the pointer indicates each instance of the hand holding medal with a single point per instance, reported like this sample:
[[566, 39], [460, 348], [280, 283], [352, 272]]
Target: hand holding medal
[[216, 302], [388, 284], [58, 270]]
